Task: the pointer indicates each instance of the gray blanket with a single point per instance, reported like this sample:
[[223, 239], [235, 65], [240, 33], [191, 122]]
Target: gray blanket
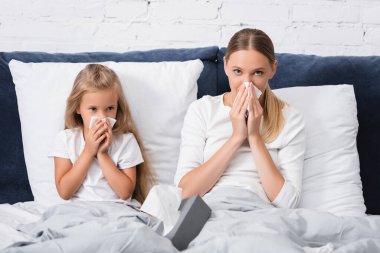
[[240, 222]]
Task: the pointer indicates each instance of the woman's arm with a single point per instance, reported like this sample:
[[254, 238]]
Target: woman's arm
[[282, 185], [201, 179], [69, 178], [270, 177]]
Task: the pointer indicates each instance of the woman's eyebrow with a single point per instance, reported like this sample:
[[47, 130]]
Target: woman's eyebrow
[[256, 69]]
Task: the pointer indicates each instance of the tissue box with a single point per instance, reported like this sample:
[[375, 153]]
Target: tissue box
[[194, 213]]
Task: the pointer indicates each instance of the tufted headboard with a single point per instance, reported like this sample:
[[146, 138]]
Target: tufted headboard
[[294, 70]]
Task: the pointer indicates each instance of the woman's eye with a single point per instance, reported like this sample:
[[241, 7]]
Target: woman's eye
[[237, 71]]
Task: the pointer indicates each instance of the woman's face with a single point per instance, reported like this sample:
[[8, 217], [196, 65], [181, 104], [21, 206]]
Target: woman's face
[[248, 66]]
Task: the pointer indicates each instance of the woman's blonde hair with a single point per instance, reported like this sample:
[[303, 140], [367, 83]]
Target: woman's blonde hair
[[95, 77], [273, 119]]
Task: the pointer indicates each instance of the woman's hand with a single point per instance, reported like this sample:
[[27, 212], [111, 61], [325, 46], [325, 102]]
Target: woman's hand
[[255, 114], [95, 136], [237, 114], [106, 143]]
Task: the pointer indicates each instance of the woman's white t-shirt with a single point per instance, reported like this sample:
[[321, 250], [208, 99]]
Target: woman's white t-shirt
[[207, 127], [124, 152]]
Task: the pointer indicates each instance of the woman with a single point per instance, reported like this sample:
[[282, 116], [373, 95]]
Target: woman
[[224, 145]]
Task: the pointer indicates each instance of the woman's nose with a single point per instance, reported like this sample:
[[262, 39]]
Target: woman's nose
[[248, 78], [247, 81]]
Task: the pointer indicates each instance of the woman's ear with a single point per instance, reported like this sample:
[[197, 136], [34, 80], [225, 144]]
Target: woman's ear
[[274, 69]]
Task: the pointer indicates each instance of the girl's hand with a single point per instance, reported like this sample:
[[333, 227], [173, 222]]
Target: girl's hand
[[237, 114], [106, 143], [255, 114], [94, 137]]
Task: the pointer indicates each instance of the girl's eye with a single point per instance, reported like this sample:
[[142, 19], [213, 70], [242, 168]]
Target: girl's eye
[[237, 71], [110, 108], [93, 109], [259, 73]]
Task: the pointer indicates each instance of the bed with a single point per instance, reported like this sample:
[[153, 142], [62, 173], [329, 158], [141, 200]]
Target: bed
[[339, 210]]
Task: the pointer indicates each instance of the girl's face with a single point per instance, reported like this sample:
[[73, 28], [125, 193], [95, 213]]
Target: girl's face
[[248, 66], [101, 103]]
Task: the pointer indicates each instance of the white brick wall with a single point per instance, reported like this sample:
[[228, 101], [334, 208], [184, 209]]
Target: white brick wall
[[322, 27]]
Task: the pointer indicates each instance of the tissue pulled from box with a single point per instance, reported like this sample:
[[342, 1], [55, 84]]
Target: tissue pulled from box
[[163, 202]]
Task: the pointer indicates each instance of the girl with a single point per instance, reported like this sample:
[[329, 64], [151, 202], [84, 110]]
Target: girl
[[101, 162], [241, 140]]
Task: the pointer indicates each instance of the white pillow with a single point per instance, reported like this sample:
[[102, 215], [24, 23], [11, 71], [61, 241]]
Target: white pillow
[[331, 179], [158, 95]]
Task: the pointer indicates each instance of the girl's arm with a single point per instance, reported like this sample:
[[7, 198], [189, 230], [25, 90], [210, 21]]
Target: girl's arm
[[69, 178], [202, 178], [122, 181]]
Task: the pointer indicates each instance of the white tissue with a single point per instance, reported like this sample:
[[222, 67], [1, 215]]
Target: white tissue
[[258, 94], [93, 119], [163, 202], [257, 91]]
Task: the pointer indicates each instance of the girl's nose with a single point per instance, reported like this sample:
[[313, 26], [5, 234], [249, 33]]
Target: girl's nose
[[101, 115]]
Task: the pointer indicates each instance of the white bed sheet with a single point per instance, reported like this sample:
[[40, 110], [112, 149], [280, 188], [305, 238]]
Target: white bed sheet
[[11, 216]]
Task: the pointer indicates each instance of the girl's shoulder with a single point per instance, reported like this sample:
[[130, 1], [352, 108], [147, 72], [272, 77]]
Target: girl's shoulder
[[70, 132], [69, 137], [126, 136], [123, 139]]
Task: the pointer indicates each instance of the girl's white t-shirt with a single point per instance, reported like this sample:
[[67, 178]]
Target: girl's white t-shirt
[[207, 127], [124, 152]]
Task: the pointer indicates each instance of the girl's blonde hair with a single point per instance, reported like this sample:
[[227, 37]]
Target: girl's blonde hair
[[273, 119], [95, 77]]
